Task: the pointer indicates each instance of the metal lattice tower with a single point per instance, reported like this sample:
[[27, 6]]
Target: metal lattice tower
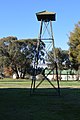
[[45, 35]]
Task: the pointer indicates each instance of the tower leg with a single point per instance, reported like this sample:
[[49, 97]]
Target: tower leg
[[57, 79]]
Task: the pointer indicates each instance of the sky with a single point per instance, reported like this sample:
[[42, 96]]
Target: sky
[[18, 18]]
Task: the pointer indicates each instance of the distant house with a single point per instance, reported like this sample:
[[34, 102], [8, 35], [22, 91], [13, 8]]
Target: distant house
[[14, 76]]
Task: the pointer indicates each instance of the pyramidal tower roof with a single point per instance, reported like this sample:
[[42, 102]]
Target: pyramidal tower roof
[[46, 16]]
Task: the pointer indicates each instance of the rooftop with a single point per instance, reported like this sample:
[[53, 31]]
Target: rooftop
[[46, 16]]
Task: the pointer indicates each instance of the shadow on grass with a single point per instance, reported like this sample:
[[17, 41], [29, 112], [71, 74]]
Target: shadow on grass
[[44, 104]]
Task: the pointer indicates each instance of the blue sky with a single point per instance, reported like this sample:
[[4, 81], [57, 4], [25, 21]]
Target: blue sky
[[17, 18]]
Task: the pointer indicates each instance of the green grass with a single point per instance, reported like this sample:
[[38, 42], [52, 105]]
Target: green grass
[[16, 103], [24, 83]]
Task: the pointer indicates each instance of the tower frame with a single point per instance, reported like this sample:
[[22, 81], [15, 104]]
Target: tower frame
[[45, 19]]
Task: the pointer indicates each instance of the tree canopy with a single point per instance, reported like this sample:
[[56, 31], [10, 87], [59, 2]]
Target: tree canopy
[[18, 54], [74, 44], [62, 58]]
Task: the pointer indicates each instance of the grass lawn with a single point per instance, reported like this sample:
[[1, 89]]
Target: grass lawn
[[16, 103]]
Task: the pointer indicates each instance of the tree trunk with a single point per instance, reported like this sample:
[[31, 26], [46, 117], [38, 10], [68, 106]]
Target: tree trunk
[[24, 73], [16, 71]]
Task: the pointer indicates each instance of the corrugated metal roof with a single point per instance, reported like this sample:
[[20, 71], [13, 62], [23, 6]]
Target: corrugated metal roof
[[45, 13], [46, 16]]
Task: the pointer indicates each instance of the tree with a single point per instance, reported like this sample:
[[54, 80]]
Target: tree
[[62, 58], [18, 54], [3, 48], [74, 47], [1, 64], [8, 71]]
